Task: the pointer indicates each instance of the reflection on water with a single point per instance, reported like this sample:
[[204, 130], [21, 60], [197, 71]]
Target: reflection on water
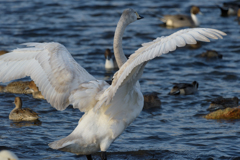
[[25, 123], [177, 130]]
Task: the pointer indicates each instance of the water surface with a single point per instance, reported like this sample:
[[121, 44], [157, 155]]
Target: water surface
[[86, 28]]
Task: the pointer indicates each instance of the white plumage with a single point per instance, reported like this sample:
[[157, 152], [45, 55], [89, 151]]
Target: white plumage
[[109, 109], [8, 155]]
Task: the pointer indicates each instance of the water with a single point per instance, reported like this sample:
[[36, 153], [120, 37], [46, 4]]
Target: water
[[86, 28]]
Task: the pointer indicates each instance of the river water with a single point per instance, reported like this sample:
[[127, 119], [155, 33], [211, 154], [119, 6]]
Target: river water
[[177, 130]]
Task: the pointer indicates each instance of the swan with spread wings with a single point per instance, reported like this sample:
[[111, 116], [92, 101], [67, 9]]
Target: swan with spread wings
[[109, 109]]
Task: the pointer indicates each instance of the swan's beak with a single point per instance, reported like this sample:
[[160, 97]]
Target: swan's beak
[[138, 16]]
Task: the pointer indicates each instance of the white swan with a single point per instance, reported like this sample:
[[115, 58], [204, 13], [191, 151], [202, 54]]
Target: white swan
[[109, 109]]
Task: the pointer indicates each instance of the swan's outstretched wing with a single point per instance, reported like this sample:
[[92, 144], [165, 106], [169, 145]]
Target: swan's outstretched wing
[[51, 67], [130, 71]]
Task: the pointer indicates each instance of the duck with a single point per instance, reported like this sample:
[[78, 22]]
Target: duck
[[210, 54], [151, 100], [108, 109], [229, 8], [110, 62], [2, 88], [178, 21], [238, 16], [222, 103], [227, 114], [3, 52], [18, 87], [35, 91], [194, 46], [7, 155], [184, 88], [20, 114]]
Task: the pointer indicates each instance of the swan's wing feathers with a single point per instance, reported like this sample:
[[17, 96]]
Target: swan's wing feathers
[[87, 94], [51, 67], [158, 47]]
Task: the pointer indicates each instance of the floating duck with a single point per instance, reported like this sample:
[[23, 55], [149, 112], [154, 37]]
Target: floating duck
[[222, 103], [184, 88], [22, 114], [151, 101], [178, 21]]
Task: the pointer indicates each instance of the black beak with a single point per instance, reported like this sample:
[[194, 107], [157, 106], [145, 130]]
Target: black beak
[[140, 17]]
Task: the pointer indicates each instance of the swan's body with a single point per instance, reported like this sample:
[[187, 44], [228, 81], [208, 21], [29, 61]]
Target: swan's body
[[109, 109], [102, 127], [22, 114], [178, 21]]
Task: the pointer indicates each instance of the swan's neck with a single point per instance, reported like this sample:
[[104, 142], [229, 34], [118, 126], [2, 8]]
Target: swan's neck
[[195, 19], [117, 43]]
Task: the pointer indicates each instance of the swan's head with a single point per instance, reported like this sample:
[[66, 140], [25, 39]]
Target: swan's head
[[129, 15]]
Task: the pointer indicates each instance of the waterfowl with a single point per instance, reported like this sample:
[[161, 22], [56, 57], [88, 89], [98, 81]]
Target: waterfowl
[[34, 89], [110, 62], [2, 88], [222, 103], [151, 101], [194, 46], [178, 21], [109, 109], [7, 155], [184, 88], [3, 52], [18, 87], [227, 113], [238, 16], [210, 54], [19, 114], [229, 8]]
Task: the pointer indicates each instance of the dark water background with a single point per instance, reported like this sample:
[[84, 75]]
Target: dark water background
[[86, 28]]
